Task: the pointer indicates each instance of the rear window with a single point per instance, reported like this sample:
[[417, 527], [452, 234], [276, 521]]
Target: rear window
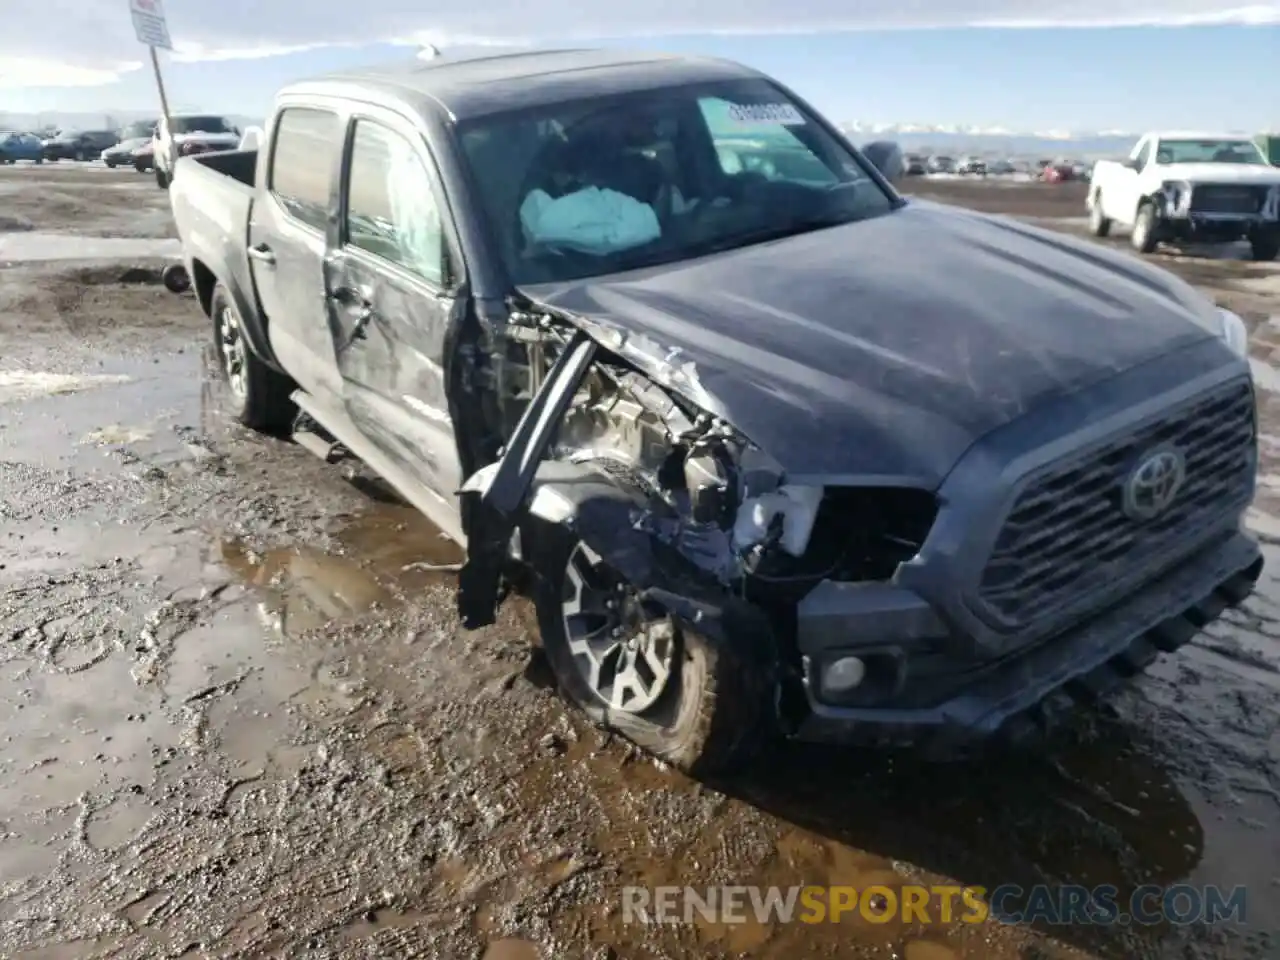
[[201, 125], [303, 158]]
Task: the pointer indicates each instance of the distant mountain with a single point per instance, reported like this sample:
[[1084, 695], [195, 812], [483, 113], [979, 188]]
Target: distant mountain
[[995, 142]]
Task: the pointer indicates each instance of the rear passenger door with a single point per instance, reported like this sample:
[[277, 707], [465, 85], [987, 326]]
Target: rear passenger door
[[287, 244], [392, 280]]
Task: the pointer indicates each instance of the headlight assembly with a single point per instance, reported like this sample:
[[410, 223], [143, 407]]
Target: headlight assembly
[[1234, 333]]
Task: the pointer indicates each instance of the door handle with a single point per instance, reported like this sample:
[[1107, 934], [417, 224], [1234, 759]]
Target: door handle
[[263, 254]]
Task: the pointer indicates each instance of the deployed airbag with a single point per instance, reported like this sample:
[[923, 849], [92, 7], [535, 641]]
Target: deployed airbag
[[592, 221]]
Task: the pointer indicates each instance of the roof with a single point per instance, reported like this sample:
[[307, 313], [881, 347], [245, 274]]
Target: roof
[[471, 86], [1199, 135]]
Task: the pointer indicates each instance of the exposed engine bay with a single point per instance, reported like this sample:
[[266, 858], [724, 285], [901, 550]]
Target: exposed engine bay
[[722, 502]]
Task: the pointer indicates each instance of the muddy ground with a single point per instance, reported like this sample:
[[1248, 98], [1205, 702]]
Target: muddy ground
[[239, 722]]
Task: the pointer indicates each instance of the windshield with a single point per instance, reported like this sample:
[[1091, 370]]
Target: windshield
[[590, 187], [200, 125], [141, 130], [1209, 151]]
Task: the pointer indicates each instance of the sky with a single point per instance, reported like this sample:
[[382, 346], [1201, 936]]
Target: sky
[[1022, 65]]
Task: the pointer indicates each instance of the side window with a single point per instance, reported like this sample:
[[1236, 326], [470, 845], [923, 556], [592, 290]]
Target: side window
[[391, 203], [1144, 155], [758, 139], [303, 157]]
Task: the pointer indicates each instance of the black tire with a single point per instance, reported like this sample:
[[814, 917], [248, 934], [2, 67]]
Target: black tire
[[1146, 229], [1099, 224], [257, 396], [81, 156], [162, 179], [39, 160], [712, 714], [1265, 247]]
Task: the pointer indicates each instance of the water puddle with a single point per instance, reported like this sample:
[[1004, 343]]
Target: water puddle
[[33, 246], [511, 949], [20, 385], [385, 555]]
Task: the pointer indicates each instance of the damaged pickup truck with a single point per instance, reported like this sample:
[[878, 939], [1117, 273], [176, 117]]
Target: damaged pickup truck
[[784, 452]]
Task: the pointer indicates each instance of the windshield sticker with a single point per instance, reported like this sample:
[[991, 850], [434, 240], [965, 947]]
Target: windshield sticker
[[755, 114]]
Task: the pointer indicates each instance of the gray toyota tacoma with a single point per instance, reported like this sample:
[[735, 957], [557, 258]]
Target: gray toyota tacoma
[[777, 451]]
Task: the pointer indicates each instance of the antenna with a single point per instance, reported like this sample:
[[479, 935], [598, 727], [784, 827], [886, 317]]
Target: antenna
[[429, 52]]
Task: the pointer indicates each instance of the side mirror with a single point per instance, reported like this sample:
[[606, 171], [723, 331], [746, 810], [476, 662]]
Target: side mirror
[[886, 156], [1132, 164]]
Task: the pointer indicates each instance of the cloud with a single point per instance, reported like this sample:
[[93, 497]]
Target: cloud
[[93, 40]]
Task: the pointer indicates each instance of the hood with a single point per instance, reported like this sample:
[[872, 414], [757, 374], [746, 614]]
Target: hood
[[884, 349], [1243, 173]]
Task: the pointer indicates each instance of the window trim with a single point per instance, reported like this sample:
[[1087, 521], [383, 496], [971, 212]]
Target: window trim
[[270, 186], [455, 269]]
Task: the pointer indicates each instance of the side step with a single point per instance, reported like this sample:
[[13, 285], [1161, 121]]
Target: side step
[[311, 436]]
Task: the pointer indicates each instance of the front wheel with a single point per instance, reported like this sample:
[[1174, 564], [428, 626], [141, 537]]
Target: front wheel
[[1146, 234], [1265, 247], [259, 397], [162, 179], [696, 704], [1099, 223]]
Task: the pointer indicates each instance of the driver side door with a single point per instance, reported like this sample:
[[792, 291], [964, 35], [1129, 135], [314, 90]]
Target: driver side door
[[392, 287]]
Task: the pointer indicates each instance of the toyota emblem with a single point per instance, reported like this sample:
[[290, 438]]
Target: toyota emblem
[[1154, 484]]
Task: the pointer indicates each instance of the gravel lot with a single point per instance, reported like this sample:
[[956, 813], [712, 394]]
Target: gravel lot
[[239, 722]]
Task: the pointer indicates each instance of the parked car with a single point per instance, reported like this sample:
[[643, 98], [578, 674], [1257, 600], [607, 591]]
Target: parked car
[[972, 166], [140, 130], [916, 165], [1001, 168], [940, 164], [189, 134], [755, 489], [15, 146], [79, 144], [1211, 188], [144, 157], [121, 155], [1057, 173]]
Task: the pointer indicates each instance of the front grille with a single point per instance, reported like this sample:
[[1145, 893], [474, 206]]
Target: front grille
[[1223, 198], [1067, 537]]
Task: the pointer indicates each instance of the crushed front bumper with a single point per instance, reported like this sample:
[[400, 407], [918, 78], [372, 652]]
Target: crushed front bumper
[[1018, 694]]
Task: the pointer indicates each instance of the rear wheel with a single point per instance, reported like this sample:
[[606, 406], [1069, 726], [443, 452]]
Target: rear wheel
[[698, 705], [162, 179], [259, 397], [1146, 231], [1099, 223]]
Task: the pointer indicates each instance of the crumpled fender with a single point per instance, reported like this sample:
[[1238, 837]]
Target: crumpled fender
[[606, 513]]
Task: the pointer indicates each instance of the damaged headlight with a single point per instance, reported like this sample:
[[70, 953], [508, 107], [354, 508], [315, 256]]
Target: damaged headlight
[[1234, 333], [738, 487], [789, 512]]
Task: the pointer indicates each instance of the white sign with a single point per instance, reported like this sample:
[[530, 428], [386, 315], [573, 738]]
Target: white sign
[[756, 114], [149, 23]]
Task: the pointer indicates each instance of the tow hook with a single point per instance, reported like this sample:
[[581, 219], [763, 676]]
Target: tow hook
[[175, 278]]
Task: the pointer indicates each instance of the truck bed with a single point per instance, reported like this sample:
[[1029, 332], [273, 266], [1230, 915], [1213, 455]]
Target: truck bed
[[212, 200], [240, 165]]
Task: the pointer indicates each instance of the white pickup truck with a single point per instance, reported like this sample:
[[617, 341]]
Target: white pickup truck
[[1209, 188]]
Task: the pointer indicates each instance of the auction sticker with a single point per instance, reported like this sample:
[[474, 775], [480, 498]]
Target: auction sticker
[[754, 114]]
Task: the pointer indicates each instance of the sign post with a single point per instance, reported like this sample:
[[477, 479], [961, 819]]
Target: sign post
[[152, 29]]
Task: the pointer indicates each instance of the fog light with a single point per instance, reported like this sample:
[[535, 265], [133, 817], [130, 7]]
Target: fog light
[[843, 675]]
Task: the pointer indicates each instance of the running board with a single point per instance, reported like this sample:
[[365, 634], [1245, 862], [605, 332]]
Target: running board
[[442, 513], [330, 451]]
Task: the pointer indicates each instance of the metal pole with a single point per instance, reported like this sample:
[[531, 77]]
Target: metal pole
[[164, 101]]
